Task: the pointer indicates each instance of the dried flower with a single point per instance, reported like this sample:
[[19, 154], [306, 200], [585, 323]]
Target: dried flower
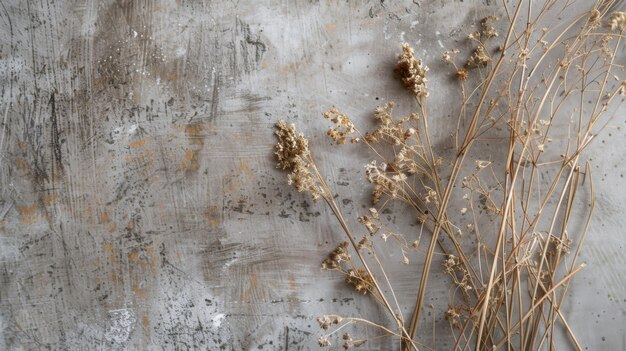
[[323, 341], [326, 321], [461, 74], [360, 280], [594, 20], [487, 30], [480, 58], [383, 184], [617, 21], [412, 72], [343, 126], [290, 146], [453, 315], [293, 154], [371, 224], [338, 255], [449, 56]]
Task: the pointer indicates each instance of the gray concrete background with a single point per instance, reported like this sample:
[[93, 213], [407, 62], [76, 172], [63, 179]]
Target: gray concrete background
[[139, 205]]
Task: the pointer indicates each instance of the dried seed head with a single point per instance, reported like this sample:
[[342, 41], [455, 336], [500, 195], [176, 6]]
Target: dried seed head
[[594, 19], [343, 127], [293, 154], [323, 341], [453, 315], [303, 179], [290, 145], [412, 72], [480, 58], [461, 74], [487, 30], [371, 224], [360, 280], [326, 321], [617, 21], [338, 255], [449, 56]]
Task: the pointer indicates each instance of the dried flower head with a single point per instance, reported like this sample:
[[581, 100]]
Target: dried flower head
[[594, 20], [449, 56], [293, 154], [338, 255], [453, 315], [461, 74], [323, 341], [290, 145], [480, 58], [617, 21], [412, 72], [304, 180], [384, 184], [326, 321], [343, 126], [488, 31], [453, 266], [372, 224], [360, 280]]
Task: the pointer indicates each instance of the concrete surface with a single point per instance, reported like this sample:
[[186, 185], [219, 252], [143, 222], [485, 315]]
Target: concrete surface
[[139, 205]]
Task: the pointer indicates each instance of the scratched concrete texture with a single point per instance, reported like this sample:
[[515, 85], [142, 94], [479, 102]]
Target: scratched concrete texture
[[139, 204]]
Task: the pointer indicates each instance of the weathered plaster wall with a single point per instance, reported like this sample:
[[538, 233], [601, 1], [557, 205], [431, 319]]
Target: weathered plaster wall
[[139, 205]]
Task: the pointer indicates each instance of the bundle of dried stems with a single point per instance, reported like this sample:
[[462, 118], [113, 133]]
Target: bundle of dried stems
[[509, 282]]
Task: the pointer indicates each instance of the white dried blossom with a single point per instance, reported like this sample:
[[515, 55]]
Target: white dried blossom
[[617, 21]]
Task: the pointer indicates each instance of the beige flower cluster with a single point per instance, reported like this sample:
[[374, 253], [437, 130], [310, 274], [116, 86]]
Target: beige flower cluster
[[412, 72], [617, 21], [293, 155]]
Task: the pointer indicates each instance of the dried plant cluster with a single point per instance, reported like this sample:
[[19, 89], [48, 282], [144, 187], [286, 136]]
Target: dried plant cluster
[[512, 248]]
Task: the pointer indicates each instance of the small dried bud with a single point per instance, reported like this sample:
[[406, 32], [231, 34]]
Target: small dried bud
[[449, 56], [461, 74], [323, 341]]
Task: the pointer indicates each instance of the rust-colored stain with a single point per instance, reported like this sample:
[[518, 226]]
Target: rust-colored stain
[[292, 297], [104, 217], [133, 257], [145, 323], [145, 320], [244, 168], [152, 259], [111, 252], [48, 198], [144, 261], [111, 228], [212, 215], [87, 214], [141, 293], [137, 143], [292, 67], [28, 214], [21, 164], [330, 27], [252, 287], [130, 225], [193, 132], [189, 161], [231, 184], [292, 281]]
